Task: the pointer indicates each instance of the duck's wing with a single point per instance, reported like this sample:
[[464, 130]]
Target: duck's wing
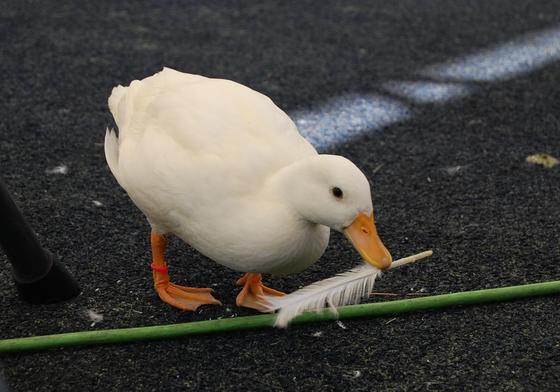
[[209, 120]]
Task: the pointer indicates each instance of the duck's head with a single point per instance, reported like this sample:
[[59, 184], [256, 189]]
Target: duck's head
[[330, 190]]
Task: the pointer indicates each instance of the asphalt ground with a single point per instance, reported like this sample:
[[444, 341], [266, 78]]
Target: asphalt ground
[[451, 177]]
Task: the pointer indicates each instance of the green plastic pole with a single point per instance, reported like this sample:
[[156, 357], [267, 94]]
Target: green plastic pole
[[113, 336]]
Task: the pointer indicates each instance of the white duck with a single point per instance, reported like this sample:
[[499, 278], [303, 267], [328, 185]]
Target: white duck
[[223, 168]]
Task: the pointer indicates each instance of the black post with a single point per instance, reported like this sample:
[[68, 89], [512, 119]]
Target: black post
[[39, 277]]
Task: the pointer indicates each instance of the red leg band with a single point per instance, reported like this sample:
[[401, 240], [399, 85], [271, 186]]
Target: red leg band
[[162, 269]]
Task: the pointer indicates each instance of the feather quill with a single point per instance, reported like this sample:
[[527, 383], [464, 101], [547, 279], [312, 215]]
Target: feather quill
[[343, 289]]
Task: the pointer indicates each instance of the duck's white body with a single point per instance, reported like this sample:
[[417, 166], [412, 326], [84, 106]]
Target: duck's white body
[[205, 159]]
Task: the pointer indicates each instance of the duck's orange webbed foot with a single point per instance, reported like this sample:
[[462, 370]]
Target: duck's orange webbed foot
[[182, 297], [185, 298], [253, 294]]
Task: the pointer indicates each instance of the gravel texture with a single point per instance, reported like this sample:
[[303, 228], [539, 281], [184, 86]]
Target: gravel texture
[[452, 177]]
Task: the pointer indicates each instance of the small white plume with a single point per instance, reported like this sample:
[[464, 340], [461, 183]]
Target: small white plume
[[94, 317], [61, 169], [343, 289]]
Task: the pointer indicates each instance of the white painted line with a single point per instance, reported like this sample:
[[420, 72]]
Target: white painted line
[[349, 116], [346, 117], [519, 56], [428, 92]]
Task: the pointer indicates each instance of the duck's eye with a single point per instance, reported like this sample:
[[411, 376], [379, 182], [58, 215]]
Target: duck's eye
[[337, 192]]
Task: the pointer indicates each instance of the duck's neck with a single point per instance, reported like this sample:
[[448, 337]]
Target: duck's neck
[[293, 186]]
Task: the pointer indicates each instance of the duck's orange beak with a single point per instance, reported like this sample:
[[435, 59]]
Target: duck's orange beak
[[363, 235]]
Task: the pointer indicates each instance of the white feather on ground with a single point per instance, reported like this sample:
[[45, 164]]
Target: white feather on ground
[[346, 288]]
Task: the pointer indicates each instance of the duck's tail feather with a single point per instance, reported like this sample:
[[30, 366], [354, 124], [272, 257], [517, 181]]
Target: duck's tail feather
[[120, 104], [112, 151]]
